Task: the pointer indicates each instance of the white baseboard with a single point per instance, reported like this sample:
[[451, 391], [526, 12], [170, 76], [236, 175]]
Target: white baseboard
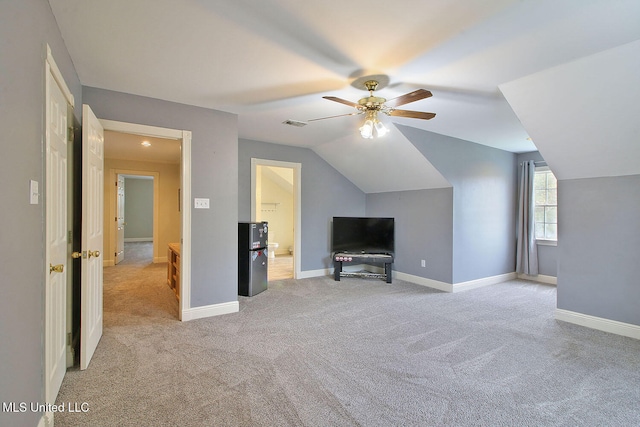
[[46, 420], [423, 281], [210, 310], [550, 280], [108, 263], [138, 239], [455, 287], [307, 274], [160, 259], [599, 323], [485, 281]]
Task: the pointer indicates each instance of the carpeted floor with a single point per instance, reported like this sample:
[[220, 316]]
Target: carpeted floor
[[358, 352]]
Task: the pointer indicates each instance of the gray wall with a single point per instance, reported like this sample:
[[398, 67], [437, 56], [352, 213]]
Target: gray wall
[[26, 26], [325, 193], [484, 202], [547, 255], [214, 175], [138, 208], [423, 230], [599, 247]]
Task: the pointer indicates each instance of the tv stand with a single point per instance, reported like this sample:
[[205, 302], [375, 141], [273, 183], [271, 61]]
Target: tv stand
[[340, 257]]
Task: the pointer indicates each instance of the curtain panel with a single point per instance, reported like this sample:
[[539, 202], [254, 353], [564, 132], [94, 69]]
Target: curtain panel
[[526, 251]]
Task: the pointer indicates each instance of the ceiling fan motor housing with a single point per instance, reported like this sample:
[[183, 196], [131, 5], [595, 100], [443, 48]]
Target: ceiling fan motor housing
[[372, 105], [372, 102]]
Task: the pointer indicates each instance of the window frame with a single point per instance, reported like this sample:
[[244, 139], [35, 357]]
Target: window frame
[[546, 241]]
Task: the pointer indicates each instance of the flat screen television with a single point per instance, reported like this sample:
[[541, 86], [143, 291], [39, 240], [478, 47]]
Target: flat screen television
[[363, 235]]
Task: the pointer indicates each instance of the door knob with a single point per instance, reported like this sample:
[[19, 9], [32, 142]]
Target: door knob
[[94, 254], [59, 268], [76, 255]]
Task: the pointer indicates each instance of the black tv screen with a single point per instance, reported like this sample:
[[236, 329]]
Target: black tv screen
[[363, 235]]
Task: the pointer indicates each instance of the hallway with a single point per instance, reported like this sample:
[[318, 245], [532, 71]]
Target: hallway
[[138, 286]]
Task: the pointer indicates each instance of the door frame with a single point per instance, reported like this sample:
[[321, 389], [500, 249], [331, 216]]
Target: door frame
[[297, 208], [113, 174], [185, 207]]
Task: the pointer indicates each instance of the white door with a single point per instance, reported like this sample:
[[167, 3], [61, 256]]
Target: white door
[[56, 235], [120, 219], [92, 235]]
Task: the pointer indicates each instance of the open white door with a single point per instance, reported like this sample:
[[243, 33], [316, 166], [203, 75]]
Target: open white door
[[92, 235], [56, 234], [119, 219]]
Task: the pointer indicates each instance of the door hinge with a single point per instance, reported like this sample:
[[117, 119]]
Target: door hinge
[[68, 338]]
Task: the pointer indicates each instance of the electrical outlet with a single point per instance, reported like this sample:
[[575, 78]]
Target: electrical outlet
[[201, 203], [423, 263]]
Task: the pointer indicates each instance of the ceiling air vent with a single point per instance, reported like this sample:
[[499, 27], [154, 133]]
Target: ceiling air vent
[[295, 123]]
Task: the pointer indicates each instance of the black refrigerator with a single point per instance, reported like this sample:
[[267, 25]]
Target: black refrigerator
[[252, 258]]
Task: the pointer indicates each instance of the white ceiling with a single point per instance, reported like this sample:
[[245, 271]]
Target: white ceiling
[[273, 60], [125, 146]]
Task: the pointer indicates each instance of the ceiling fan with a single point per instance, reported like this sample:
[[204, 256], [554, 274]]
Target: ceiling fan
[[371, 105]]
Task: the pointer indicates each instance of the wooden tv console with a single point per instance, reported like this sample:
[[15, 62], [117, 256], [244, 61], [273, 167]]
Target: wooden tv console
[[362, 258]]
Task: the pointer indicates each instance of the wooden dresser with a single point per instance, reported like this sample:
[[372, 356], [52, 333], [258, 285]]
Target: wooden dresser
[[173, 268]]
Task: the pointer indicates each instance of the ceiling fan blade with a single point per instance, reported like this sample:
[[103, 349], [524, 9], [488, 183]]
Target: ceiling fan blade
[[333, 117], [342, 101], [416, 95], [412, 114]]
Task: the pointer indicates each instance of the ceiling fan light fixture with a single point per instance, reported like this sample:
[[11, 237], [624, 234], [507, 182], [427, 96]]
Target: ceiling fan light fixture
[[381, 129], [366, 131], [372, 126]]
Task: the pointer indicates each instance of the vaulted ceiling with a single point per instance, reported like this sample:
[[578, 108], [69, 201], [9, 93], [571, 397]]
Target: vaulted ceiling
[[487, 64]]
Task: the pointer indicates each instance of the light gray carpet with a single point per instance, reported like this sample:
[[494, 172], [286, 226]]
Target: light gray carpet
[[358, 352]]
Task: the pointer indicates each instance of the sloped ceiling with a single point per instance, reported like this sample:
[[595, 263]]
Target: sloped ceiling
[[391, 164], [583, 115], [273, 60], [283, 177]]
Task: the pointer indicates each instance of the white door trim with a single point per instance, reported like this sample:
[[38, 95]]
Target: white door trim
[[185, 206], [113, 206], [297, 214], [57, 75]]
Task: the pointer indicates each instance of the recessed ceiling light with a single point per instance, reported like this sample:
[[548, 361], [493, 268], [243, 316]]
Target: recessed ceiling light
[[145, 144]]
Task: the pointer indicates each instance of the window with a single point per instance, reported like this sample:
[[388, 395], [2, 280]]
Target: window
[[545, 188]]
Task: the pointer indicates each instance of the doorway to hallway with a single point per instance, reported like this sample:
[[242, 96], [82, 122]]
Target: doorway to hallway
[[136, 212], [174, 198]]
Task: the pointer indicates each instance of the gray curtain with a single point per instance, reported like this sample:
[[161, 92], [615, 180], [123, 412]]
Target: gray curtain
[[526, 251]]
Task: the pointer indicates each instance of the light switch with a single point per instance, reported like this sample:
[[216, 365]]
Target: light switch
[[201, 203], [33, 192]]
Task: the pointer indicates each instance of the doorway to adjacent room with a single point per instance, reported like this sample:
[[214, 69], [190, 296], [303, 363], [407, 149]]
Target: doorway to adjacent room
[[275, 198]]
